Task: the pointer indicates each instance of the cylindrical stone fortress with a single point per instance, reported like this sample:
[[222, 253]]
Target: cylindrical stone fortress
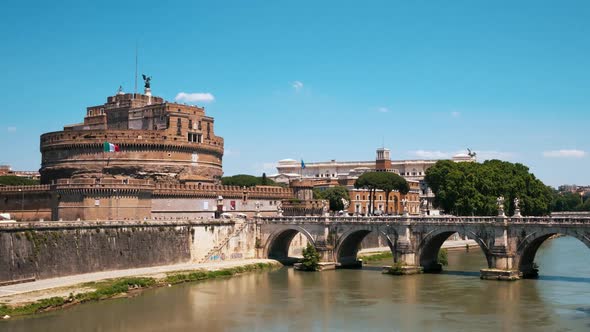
[[157, 140]]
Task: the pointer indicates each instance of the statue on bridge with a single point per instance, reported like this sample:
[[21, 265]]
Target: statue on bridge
[[500, 203], [345, 204], [517, 207]]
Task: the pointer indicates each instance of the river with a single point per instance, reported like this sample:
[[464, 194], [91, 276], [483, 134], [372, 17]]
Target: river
[[353, 300]]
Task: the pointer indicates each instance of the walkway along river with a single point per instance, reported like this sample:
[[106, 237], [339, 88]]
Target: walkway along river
[[353, 300]]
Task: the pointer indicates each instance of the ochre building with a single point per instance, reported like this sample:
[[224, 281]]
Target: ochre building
[[157, 140]]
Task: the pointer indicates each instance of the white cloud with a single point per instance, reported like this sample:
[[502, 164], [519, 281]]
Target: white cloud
[[383, 110], [455, 114], [297, 85], [564, 154], [11, 129], [194, 97]]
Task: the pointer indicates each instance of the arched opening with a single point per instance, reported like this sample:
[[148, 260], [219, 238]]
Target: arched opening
[[348, 247], [280, 246], [565, 247], [461, 246]]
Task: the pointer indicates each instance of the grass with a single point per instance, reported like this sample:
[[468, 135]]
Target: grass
[[114, 287], [377, 256]]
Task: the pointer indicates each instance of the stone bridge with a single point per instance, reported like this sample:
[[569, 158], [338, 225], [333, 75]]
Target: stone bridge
[[508, 243]]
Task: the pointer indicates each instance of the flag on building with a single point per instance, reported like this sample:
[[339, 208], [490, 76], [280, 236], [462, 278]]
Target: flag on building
[[302, 164], [110, 147]]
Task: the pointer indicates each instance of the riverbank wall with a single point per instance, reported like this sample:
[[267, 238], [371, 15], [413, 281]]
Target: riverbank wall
[[32, 251]]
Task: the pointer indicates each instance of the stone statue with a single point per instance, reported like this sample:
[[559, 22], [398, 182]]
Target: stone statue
[[500, 202], [471, 153], [345, 203], [424, 203], [147, 80], [280, 209], [325, 207], [516, 203], [404, 203]]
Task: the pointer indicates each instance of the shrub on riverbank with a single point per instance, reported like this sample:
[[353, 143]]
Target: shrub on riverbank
[[311, 258]]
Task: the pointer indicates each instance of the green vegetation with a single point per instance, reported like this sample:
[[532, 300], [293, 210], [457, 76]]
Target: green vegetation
[[115, 287], [244, 180], [11, 180], [569, 201], [467, 189], [443, 257], [386, 181], [311, 258], [377, 257], [334, 195], [397, 269]]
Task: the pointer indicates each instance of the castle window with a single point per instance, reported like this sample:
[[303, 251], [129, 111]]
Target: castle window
[[208, 130], [199, 126], [190, 124], [178, 127]]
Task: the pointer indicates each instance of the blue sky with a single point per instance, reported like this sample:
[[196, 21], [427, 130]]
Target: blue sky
[[317, 80]]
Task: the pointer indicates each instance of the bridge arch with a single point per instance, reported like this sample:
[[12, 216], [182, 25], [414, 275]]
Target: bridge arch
[[431, 243], [348, 244], [529, 244], [278, 243]]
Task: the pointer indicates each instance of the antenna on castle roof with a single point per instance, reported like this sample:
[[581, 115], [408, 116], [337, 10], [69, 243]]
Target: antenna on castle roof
[[135, 90]]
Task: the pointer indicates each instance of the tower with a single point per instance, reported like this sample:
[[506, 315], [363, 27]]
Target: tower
[[383, 161]]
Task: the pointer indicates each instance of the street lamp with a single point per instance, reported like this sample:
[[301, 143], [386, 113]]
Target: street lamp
[[22, 204], [116, 204]]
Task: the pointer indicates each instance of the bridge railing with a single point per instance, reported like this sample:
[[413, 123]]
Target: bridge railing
[[430, 219], [379, 219], [553, 220]]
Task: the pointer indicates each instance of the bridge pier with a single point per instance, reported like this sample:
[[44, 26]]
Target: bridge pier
[[405, 260], [503, 267]]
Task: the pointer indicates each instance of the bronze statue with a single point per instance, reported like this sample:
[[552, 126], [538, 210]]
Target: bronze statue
[[147, 80]]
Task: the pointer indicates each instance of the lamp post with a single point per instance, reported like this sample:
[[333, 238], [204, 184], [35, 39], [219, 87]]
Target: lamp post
[[219, 210], [116, 204], [22, 204]]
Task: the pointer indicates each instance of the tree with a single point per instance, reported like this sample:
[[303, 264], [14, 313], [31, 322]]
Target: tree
[[244, 180], [264, 180], [385, 181], [12, 180], [311, 258], [567, 201], [389, 182], [368, 181], [334, 195], [472, 188]]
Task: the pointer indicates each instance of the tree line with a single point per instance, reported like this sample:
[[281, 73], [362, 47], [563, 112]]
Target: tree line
[[472, 188]]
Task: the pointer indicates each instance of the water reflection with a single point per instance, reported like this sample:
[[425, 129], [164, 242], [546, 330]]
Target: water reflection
[[455, 300]]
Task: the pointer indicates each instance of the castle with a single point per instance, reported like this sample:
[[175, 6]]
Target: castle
[[165, 163], [158, 140]]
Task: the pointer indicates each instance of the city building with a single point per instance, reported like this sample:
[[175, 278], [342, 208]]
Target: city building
[[6, 170], [136, 156], [332, 173], [155, 139]]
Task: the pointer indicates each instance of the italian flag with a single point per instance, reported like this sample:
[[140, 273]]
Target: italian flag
[[110, 147]]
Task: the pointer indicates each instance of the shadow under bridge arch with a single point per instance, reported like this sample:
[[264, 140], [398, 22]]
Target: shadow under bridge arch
[[432, 242], [349, 244], [279, 242]]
